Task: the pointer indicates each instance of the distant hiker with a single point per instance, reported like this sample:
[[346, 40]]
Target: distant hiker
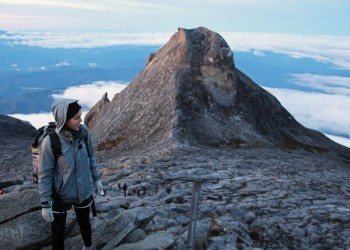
[[68, 181], [125, 187], [120, 186], [140, 190]]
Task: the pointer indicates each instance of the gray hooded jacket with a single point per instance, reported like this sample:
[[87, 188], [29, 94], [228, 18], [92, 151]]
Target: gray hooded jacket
[[71, 180]]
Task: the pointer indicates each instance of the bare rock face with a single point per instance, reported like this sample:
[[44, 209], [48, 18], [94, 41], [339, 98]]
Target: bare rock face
[[97, 110], [15, 154], [190, 93], [21, 222], [12, 127]]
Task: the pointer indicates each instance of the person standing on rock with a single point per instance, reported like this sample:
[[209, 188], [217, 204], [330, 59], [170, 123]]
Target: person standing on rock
[[69, 180], [125, 187]]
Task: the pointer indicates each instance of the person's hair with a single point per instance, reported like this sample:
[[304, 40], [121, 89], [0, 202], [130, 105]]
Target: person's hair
[[72, 110]]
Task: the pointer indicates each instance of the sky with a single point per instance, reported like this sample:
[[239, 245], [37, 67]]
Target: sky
[[315, 29], [317, 17]]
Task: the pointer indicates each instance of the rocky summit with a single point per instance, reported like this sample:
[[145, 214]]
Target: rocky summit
[[192, 128], [190, 93]]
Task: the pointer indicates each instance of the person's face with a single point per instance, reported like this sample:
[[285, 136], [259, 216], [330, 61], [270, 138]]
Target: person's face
[[74, 122]]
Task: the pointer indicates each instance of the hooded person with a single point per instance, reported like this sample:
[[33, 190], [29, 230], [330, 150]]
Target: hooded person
[[69, 180]]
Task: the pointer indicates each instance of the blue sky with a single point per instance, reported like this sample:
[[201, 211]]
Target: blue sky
[[317, 17]]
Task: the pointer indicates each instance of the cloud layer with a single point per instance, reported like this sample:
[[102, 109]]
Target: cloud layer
[[338, 85], [325, 109], [334, 50], [308, 108], [87, 94], [322, 112]]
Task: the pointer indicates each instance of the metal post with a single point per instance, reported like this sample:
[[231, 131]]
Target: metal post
[[193, 216]]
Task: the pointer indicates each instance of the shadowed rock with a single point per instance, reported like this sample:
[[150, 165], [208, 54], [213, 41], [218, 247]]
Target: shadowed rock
[[19, 216], [16, 137], [113, 232], [96, 111], [12, 127], [161, 240]]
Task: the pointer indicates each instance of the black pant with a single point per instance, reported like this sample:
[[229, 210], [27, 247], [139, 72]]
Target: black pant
[[58, 226]]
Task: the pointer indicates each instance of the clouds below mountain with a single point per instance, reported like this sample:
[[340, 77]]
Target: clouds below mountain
[[338, 85], [308, 108], [326, 49], [87, 94], [323, 105], [327, 113]]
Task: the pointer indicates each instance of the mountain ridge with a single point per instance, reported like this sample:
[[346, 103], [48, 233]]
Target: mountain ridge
[[190, 93]]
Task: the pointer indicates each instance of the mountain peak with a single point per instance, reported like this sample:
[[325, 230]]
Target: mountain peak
[[190, 93]]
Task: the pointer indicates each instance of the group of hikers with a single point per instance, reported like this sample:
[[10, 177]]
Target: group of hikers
[[140, 190]]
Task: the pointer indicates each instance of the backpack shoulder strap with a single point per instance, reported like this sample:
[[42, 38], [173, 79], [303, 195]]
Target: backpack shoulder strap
[[87, 145], [56, 145]]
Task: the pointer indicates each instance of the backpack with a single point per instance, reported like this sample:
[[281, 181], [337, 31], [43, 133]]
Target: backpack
[[48, 130]]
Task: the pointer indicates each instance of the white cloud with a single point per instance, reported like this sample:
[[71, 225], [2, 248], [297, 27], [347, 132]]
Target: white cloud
[[326, 83], [37, 120], [92, 65], [89, 94], [61, 64], [83, 40], [340, 140], [326, 49], [258, 53], [323, 112]]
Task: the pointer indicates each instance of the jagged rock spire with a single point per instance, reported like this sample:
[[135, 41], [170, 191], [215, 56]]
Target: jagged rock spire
[[97, 110]]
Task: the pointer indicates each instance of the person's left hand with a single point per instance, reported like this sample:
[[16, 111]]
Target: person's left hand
[[99, 187]]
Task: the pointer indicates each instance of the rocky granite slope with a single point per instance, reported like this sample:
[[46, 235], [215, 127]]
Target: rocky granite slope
[[267, 182], [258, 199]]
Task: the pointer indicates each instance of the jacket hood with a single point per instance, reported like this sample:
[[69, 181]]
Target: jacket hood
[[59, 109]]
